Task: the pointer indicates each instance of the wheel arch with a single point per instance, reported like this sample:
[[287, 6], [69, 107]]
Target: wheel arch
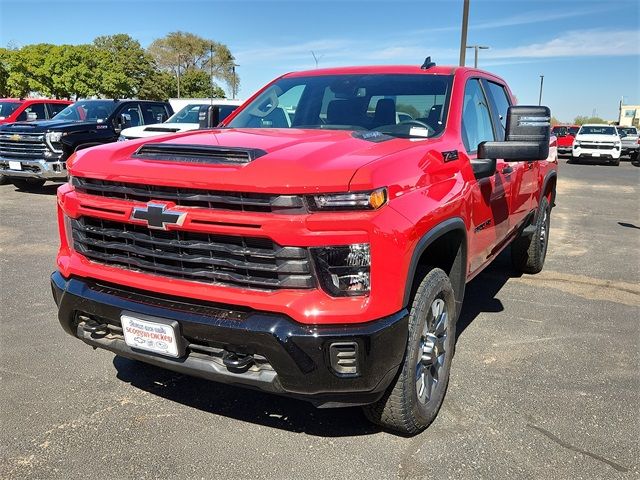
[[549, 186], [444, 246]]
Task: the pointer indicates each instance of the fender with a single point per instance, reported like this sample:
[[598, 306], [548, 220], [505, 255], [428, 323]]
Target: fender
[[547, 179], [449, 225]]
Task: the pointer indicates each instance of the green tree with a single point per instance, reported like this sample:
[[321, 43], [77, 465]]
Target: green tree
[[5, 56], [583, 119], [185, 52]]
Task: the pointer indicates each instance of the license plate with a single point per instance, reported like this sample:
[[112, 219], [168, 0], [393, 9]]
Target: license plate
[[152, 336], [15, 166]]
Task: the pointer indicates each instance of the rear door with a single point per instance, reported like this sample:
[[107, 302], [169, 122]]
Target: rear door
[[523, 176]]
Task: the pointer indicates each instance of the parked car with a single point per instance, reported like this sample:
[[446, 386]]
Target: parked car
[[33, 152], [182, 121], [28, 109], [321, 254], [597, 142], [565, 135], [630, 142]]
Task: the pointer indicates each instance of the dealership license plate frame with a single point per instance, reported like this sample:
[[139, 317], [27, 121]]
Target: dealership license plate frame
[[13, 165], [139, 330]]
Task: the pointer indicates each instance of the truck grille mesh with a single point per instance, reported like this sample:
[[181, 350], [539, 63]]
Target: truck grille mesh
[[22, 146], [250, 262], [190, 197]]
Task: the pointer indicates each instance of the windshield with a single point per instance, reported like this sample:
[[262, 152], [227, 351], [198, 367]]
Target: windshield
[[604, 130], [574, 130], [399, 105], [190, 113], [628, 130], [559, 130], [7, 108], [88, 110]]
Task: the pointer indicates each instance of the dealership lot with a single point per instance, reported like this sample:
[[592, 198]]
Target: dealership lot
[[545, 382]]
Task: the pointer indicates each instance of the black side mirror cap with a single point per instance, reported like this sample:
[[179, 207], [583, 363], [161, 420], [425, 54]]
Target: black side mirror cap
[[208, 116], [527, 136]]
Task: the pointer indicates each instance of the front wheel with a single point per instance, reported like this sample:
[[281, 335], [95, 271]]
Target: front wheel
[[3, 180], [27, 184], [528, 252], [412, 402]]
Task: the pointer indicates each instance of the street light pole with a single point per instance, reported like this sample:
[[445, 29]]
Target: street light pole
[[541, 83], [476, 48], [178, 75], [463, 36], [234, 85]]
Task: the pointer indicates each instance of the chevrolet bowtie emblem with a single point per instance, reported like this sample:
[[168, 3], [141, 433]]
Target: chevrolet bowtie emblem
[[158, 216], [15, 137]]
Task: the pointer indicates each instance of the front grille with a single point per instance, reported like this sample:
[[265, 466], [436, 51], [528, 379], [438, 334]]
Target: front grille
[[241, 261], [22, 146], [190, 197], [597, 146]]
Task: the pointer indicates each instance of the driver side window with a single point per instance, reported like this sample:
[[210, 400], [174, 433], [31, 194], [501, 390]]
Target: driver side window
[[476, 120]]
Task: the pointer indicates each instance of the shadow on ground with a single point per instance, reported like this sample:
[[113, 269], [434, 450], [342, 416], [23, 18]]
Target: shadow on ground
[[285, 413], [47, 189]]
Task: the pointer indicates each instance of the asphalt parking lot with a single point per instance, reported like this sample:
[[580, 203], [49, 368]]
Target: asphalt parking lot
[[545, 382]]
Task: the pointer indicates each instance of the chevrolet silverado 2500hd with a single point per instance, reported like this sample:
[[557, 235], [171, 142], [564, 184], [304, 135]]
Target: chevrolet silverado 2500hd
[[312, 245]]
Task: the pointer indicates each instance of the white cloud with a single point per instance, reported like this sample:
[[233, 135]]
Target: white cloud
[[582, 43]]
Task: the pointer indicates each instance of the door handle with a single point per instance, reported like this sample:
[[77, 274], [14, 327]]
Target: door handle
[[506, 170]]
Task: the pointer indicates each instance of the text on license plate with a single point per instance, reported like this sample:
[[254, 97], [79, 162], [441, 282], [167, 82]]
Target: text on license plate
[[151, 336]]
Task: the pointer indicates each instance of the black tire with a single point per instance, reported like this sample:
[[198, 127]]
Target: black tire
[[3, 180], [529, 251], [616, 162], [27, 184], [401, 409], [634, 157]]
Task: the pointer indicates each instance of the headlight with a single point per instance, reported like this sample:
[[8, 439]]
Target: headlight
[[344, 270], [349, 201], [54, 137]]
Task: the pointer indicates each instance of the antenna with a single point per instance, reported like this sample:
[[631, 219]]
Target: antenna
[[428, 64]]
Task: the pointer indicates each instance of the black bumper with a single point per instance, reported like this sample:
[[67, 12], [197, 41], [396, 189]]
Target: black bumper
[[286, 357]]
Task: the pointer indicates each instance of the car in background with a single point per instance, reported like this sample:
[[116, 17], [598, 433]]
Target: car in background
[[566, 135], [597, 142], [630, 142], [29, 109], [184, 120], [33, 152]]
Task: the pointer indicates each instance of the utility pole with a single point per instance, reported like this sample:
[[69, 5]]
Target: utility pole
[[316, 58], [476, 48], [463, 37], [178, 75], [541, 83], [211, 73], [234, 81]]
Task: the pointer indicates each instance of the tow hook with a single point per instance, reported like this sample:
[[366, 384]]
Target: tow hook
[[236, 362], [97, 330]]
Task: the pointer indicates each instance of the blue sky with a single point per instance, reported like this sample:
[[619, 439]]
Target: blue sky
[[588, 51]]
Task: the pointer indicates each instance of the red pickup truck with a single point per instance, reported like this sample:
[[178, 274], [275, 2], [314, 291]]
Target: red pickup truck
[[565, 135], [314, 244]]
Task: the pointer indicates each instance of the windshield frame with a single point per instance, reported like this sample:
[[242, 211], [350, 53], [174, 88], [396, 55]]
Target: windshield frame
[[296, 80]]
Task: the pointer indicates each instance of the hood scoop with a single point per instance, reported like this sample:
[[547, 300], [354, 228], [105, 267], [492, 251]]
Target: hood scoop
[[173, 152]]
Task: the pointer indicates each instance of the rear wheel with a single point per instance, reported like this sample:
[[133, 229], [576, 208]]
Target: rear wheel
[[412, 402], [528, 252], [27, 184]]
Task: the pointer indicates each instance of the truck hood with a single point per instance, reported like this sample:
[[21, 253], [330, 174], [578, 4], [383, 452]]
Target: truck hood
[[50, 125], [158, 129], [294, 160]]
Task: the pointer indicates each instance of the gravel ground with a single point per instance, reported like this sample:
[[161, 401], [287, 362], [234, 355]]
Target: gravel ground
[[545, 382]]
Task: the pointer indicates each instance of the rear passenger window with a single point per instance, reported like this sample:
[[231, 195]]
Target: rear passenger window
[[154, 114], [55, 108], [501, 102], [476, 119], [37, 108]]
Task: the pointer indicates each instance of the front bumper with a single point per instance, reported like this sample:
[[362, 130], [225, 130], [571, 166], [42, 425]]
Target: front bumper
[[288, 357], [580, 152], [41, 169]]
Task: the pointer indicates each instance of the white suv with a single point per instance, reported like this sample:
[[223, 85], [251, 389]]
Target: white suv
[[597, 142]]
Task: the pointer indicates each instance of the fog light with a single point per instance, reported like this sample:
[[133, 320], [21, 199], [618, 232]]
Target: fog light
[[344, 270]]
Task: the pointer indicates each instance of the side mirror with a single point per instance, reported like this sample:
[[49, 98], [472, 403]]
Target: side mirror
[[526, 137], [208, 116], [31, 116]]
